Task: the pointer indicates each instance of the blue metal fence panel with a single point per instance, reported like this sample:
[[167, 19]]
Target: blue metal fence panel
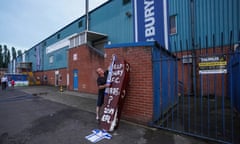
[[234, 81], [156, 85], [164, 82]]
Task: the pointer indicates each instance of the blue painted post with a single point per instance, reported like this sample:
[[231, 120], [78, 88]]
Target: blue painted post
[[208, 89], [231, 89], [189, 88], [223, 105], [215, 90], [183, 110], [176, 78]]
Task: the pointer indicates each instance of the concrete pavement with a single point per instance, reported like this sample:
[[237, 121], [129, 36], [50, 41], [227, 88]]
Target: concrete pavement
[[127, 132], [83, 101]]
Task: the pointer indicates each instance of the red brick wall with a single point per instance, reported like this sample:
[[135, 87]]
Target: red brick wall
[[138, 103], [138, 106], [51, 77], [87, 62]]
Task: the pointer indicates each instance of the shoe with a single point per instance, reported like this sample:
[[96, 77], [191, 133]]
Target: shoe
[[97, 120]]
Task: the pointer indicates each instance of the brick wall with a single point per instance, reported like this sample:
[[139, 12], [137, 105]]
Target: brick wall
[[51, 78], [138, 106], [86, 61]]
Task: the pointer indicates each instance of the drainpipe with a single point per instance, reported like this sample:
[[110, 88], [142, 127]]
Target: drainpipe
[[87, 16]]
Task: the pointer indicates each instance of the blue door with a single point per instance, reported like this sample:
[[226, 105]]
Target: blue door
[[75, 79]]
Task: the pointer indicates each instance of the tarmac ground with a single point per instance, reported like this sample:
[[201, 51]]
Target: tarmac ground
[[43, 114]]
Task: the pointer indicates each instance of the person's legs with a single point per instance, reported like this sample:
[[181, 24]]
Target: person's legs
[[99, 104], [97, 113], [4, 85]]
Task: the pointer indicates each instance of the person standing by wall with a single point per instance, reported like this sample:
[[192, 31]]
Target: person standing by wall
[[12, 83], [101, 82], [4, 82]]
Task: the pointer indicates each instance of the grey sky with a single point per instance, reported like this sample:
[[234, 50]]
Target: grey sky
[[24, 23]]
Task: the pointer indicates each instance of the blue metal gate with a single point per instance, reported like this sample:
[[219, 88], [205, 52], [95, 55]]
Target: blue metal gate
[[164, 82], [234, 79], [195, 92]]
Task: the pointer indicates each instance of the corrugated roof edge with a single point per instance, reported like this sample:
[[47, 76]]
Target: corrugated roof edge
[[154, 44], [135, 44]]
